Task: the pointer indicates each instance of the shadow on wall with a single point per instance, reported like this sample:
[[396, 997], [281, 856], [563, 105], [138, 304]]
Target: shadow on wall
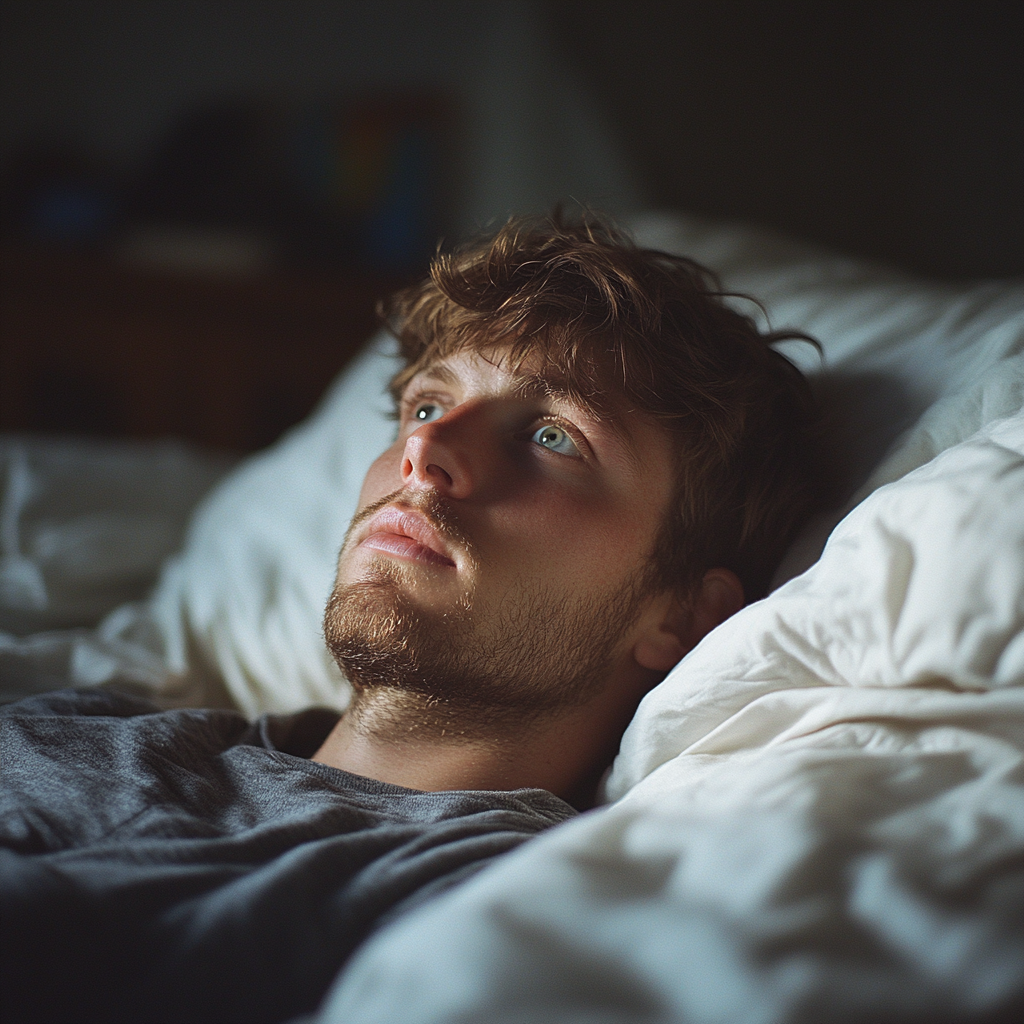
[[894, 131]]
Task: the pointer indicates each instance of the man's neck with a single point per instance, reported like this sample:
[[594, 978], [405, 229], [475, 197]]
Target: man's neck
[[407, 740]]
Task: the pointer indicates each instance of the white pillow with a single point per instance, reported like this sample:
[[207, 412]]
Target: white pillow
[[909, 367], [243, 602], [911, 622]]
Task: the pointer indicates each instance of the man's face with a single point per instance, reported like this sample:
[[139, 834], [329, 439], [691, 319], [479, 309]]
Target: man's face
[[501, 554]]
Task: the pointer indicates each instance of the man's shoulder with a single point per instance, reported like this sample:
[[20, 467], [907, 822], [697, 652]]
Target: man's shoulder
[[81, 702], [83, 722]]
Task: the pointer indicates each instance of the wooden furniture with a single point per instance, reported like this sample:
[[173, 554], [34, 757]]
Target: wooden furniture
[[91, 346]]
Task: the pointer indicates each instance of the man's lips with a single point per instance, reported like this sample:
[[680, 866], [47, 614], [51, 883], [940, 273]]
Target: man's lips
[[405, 534]]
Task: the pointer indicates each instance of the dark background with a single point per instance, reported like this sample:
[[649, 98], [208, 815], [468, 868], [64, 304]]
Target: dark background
[[893, 130], [889, 129]]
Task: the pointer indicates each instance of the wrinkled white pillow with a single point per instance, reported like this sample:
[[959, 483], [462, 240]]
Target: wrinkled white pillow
[[908, 369], [912, 621], [241, 607], [242, 604]]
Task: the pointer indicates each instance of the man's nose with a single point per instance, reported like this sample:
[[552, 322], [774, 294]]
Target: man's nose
[[443, 455]]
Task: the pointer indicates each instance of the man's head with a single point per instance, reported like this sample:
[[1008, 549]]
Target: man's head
[[595, 458]]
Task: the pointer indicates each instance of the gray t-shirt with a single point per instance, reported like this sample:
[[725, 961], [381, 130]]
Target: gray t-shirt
[[191, 866]]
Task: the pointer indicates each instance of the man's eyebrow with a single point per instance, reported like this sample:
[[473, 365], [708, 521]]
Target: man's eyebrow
[[526, 386], [441, 372], [540, 385]]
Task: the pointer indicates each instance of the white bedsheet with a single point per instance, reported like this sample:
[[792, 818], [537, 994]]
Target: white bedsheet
[[821, 814], [85, 526]]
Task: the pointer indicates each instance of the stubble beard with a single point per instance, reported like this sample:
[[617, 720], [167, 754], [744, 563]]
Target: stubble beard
[[413, 670]]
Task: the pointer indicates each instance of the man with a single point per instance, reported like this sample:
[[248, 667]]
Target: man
[[596, 462]]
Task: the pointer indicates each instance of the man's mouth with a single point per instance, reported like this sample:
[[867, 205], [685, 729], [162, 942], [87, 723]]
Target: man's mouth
[[408, 535]]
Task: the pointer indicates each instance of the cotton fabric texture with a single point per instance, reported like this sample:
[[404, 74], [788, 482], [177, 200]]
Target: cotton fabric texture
[[190, 866]]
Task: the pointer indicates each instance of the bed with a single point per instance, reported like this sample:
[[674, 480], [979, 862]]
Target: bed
[[817, 816]]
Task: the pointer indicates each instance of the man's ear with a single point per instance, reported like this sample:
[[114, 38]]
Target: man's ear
[[676, 625]]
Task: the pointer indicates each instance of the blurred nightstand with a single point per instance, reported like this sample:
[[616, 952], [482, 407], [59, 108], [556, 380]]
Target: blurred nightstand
[[91, 346]]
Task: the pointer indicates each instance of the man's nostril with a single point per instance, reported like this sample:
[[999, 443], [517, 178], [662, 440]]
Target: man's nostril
[[442, 474]]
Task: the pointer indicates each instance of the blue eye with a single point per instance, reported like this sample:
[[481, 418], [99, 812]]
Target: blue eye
[[555, 439], [427, 412]]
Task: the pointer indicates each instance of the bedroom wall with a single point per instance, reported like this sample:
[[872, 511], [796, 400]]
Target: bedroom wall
[[892, 130], [166, 264], [109, 77]]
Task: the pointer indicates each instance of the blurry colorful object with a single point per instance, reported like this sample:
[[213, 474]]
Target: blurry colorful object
[[352, 183], [372, 168], [56, 195]]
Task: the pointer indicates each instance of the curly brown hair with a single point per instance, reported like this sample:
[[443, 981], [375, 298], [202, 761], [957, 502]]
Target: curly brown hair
[[607, 317]]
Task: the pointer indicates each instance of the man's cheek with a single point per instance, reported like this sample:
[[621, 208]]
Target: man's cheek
[[381, 478]]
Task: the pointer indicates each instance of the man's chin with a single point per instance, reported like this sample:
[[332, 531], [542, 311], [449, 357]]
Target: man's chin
[[370, 608], [374, 632], [412, 584], [539, 656]]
